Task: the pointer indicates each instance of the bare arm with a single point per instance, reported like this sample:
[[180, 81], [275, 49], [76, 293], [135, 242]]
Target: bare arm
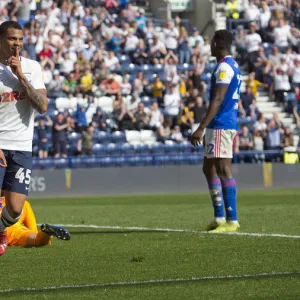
[[37, 98]]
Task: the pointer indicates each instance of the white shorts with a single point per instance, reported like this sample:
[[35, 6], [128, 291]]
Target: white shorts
[[218, 143]]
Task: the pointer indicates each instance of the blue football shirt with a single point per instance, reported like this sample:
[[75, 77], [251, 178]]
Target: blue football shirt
[[227, 72]]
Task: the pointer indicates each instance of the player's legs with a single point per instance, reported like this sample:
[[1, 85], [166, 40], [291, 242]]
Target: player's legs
[[219, 150], [15, 186], [215, 190]]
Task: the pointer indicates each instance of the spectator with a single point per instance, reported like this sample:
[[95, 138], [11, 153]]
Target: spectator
[[86, 82], [123, 118], [157, 90], [282, 33], [82, 62], [110, 86], [60, 136], [149, 32], [172, 103], [287, 139], [274, 58], [70, 84], [186, 118], [141, 118], [171, 64], [205, 48], [141, 19], [176, 134], [273, 136], [81, 117], [111, 61], [281, 84], [171, 35], [246, 100], [55, 86], [126, 87], [199, 110], [232, 9], [260, 124], [258, 145], [253, 42], [42, 132], [241, 44], [252, 12], [254, 84], [85, 144], [131, 42], [265, 16], [296, 72], [66, 64], [196, 37], [253, 111], [246, 139], [156, 117], [183, 47], [157, 51], [164, 131], [140, 55], [46, 52], [99, 120]]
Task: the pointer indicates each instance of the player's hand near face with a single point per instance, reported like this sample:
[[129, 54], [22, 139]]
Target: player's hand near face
[[197, 137], [15, 64], [3, 162]]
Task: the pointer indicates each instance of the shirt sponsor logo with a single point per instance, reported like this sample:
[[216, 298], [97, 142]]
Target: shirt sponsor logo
[[222, 75], [12, 96]]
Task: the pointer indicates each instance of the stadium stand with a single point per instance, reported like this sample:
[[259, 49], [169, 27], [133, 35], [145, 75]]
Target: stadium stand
[[108, 62]]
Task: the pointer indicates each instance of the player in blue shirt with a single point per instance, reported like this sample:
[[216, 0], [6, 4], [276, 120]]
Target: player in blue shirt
[[220, 126]]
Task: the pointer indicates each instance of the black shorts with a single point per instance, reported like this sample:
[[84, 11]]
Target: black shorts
[[16, 176]]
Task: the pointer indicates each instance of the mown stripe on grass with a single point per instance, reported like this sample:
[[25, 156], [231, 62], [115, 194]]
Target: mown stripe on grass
[[252, 234], [147, 282]]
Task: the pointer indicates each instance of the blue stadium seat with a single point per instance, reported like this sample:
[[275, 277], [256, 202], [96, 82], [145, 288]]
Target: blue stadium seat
[[146, 160], [127, 148], [102, 137], [134, 160], [118, 137], [142, 148], [99, 149], [106, 161], [113, 149], [74, 137], [185, 147], [171, 147], [162, 159], [157, 147], [194, 159], [61, 163], [76, 162], [35, 150], [47, 163]]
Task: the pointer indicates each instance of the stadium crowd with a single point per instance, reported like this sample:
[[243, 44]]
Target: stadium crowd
[[109, 68]]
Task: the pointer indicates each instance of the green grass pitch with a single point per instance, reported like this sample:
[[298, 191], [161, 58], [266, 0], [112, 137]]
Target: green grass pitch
[[98, 256]]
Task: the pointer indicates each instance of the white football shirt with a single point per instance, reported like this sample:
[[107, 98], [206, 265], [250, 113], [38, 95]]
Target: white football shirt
[[16, 112]]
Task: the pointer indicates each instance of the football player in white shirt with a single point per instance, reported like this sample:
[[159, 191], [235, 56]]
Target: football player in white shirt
[[22, 91]]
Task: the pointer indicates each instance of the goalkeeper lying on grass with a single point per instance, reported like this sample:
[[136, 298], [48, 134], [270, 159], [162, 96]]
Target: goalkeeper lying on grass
[[25, 231]]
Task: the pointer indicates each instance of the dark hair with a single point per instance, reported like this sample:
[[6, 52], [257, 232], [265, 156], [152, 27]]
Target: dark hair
[[7, 25], [223, 38]]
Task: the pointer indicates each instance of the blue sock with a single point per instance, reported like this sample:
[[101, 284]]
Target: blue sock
[[229, 193], [215, 190]]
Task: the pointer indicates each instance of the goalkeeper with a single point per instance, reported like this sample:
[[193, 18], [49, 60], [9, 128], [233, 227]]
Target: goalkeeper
[[25, 231]]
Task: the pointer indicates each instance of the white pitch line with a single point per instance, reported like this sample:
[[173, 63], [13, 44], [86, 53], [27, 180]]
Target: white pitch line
[[152, 281], [276, 235]]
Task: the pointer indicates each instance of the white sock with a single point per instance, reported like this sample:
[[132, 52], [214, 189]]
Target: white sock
[[220, 220]]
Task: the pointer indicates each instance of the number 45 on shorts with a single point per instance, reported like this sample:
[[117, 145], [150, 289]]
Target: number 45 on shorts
[[23, 175]]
